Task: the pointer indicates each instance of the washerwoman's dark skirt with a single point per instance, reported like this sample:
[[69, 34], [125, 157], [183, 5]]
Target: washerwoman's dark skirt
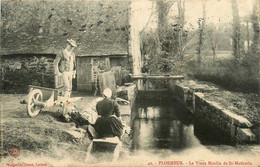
[[108, 127]]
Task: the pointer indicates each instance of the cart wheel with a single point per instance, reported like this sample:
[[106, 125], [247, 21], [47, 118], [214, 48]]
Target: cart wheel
[[34, 95]]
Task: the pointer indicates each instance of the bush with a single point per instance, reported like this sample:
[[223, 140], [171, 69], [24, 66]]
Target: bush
[[230, 74]]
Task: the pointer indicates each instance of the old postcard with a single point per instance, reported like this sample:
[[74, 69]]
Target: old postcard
[[130, 83]]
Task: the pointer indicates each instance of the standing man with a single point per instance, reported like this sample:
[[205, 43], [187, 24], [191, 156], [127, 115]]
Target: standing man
[[65, 66]]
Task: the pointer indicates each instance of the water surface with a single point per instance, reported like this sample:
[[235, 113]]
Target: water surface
[[163, 132]]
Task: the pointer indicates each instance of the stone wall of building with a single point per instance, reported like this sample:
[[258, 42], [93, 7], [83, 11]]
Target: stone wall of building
[[19, 71]]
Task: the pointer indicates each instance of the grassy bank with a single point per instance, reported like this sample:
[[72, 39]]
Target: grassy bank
[[240, 76]]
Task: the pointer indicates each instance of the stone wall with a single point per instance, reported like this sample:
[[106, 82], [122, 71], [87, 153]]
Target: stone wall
[[212, 118], [19, 71], [129, 93]]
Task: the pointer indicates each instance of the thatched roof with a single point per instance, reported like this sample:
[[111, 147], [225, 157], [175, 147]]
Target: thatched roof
[[42, 27]]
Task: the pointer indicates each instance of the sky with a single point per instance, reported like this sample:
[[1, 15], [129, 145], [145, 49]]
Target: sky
[[141, 13], [218, 11]]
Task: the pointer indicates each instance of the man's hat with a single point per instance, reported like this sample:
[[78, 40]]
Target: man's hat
[[72, 42]]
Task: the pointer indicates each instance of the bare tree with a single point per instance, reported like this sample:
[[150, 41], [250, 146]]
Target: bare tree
[[181, 22], [255, 48], [247, 35], [201, 22], [167, 46], [153, 43], [163, 9], [236, 30], [255, 22], [214, 38]]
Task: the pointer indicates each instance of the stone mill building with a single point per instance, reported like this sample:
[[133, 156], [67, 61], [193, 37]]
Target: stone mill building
[[33, 32]]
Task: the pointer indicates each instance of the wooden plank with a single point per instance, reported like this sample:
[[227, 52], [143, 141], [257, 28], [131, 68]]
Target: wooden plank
[[103, 55], [118, 75], [107, 63], [46, 92], [157, 77], [41, 88], [58, 82], [107, 80], [84, 74]]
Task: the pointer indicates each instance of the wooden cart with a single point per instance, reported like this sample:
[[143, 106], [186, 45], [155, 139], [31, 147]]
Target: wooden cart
[[41, 97]]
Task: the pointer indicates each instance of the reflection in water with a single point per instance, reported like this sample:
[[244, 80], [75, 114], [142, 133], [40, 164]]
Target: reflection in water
[[160, 127], [166, 133]]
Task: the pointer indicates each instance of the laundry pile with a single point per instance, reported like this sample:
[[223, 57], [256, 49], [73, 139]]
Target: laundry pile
[[70, 113]]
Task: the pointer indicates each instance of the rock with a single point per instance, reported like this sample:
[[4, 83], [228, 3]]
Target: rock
[[125, 110], [81, 130], [191, 82], [85, 127], [75, 134], [237, 119], [199, 94], [245, 135], [256, 130], [125, 91], [123, 94], [92, 132], [204, 88], [214, 104]]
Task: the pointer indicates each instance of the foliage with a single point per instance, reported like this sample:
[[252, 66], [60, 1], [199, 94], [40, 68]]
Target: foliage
[[227, 73], [236, 30], [239, 72], [161, 57], [163, 53], [167, 50]]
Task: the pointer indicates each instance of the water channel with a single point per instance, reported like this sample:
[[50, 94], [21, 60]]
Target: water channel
[[163, 134]]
